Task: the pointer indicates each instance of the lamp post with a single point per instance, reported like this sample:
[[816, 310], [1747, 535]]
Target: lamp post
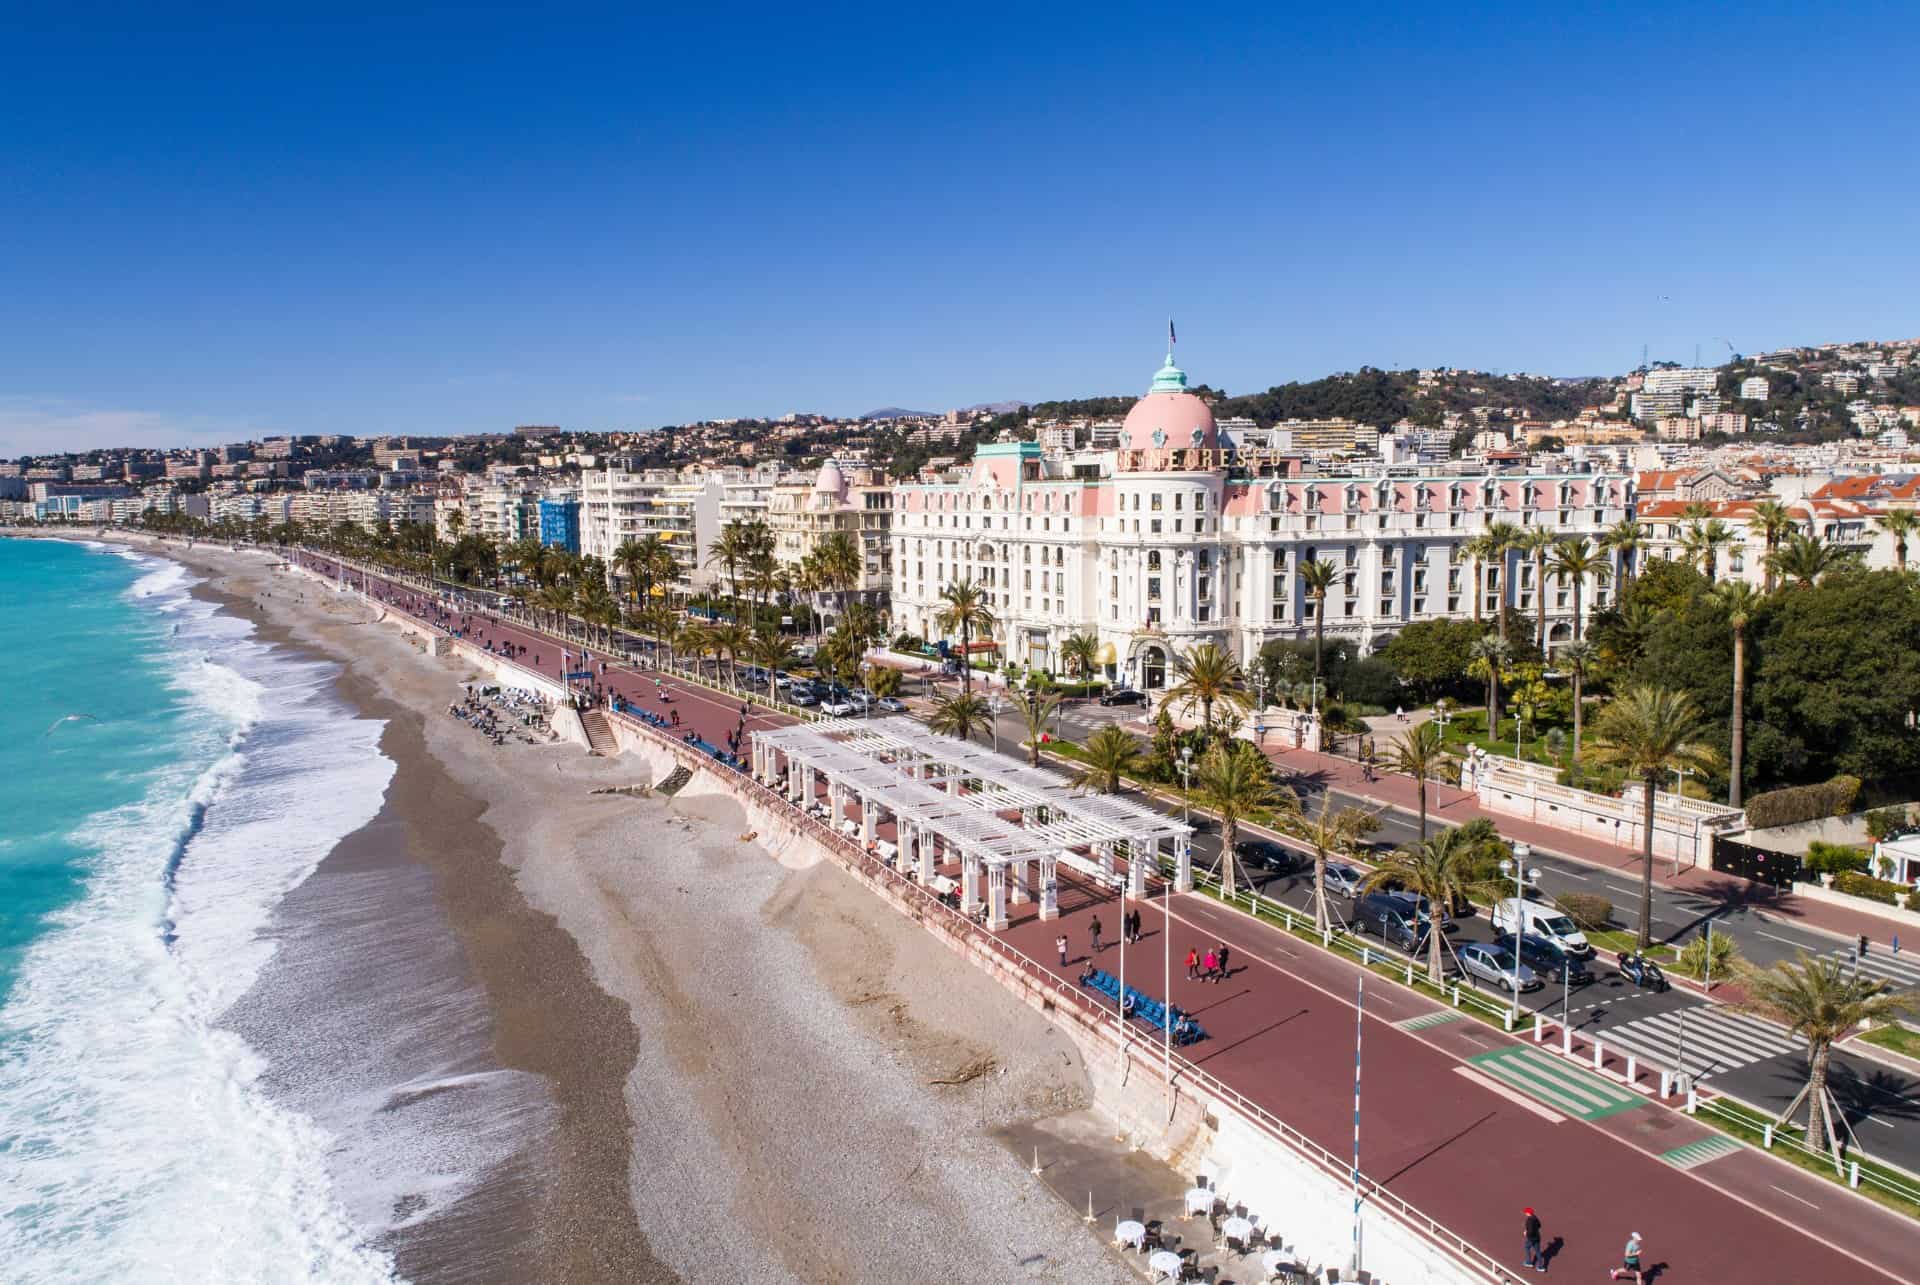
[[1186, 783], [993, 703], [1522, 877]]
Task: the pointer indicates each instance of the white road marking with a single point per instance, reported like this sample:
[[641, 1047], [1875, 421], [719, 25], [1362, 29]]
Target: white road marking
[[1790, 1196], [1568, 874], [1512, 1095], [1776, 937]]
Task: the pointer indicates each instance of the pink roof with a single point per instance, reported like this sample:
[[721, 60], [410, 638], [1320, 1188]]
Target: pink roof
[[1175, 416]]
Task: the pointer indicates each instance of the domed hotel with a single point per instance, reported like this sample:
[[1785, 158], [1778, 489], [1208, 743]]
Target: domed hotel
[[1165, 540]]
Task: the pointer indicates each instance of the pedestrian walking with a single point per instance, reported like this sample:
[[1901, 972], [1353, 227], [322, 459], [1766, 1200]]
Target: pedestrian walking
[[1209, 965], [1096, 934], [1223, 959], [1530, 1232], [1193, 964], [1136, 927], [1630, 1261], [1061, 943]]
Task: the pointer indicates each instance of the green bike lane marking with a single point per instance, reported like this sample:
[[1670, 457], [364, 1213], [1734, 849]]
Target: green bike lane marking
[[1564, 1087]]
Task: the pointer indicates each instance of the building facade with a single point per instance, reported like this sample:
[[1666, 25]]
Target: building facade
[[851, 501]]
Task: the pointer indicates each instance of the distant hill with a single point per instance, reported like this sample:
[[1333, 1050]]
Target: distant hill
[[896, 412], [986, 408]]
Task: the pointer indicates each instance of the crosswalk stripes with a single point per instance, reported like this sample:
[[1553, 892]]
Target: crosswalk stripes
[[1556, 1082], [1438, 1017], [1902, 970], [1714, 1039], [1695, 1154]]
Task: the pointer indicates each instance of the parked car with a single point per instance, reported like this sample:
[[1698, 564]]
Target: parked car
[[1495, 965], [1343, 879], [862, 697], [838, 707], [1420, 905], [1390, 917], [1538, 919], [1259, 855], [781, 678], [891, 705], [803, 696], [1122, 696], [1544, 956]]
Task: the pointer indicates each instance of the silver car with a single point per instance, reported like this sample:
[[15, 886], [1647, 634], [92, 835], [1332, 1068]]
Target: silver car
[[1344, 880], [1495, 964]]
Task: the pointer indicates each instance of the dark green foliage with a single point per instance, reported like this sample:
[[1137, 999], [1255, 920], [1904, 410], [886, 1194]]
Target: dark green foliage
[[1861, 885], [1834, 858], [1432, 655], [1796, 803], [1590, 911]]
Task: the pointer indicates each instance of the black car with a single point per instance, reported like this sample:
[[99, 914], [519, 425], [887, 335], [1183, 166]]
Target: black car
[[1122, 696], [1391, 918], [1546, 959]]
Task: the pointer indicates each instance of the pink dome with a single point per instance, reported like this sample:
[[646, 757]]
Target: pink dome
[[1170, 420]]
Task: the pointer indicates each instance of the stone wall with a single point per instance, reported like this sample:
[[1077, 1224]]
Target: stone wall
[[1683, 828]]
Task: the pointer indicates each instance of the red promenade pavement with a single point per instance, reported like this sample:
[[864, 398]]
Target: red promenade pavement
[[1466, 1151]]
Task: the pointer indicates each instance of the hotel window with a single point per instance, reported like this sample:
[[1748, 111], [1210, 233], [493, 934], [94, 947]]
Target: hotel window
[[1153, 588], [1155, 506], [1279, 611], [1279, 583], [1113, 592], [1204, 612], [1349, 610], [1179, 501], [1153, 615], [1153, 559]]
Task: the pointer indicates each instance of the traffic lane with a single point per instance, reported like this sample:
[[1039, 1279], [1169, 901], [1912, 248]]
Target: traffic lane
[[1880, 1103]]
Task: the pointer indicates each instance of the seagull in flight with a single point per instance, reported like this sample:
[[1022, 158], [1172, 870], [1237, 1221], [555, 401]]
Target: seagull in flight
[[68, 718]]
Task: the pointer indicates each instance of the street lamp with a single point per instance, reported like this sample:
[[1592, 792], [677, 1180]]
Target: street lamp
[[1440, 714], [993, 703], [1521, 878], [1186, 782]]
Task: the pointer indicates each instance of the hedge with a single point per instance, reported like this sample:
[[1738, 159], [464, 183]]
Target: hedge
[[1834, 858], [1797, 803], [1586, 909], [1859, 885]]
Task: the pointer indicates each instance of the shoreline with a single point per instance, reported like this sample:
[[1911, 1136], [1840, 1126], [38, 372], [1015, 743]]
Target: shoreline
[[772, 1107]]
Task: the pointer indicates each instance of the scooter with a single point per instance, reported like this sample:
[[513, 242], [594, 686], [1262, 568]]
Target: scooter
[[1642, 972]]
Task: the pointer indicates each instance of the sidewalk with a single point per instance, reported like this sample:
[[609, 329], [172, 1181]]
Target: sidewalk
[[1453, 806]]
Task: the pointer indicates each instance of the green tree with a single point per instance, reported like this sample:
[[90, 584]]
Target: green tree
[[1577, 659], [1432, 655], [1738, 600], [1491, 657], [961, 716], [1899, 523], [1035, 708], [1820, 1000], [884, 680], [1443, 870], [1574, 563], [1421, 754], [768, 650], [1236, 782], [1502, 539], [1804, 559], [963, 609], [1109, 755], [1626, 538], [1538, 542], [1209, 675], [1080, 655], [1775, 522], [1331, 832], [1317, 578], [1648, 732]]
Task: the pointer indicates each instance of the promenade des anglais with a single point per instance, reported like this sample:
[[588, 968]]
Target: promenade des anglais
[[1085, 645]]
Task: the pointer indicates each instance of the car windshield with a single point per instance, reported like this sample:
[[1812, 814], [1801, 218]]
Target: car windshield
[[1497, 957], [1559, 926]]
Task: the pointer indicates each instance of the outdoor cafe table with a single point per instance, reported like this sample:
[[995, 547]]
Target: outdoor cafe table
[[1238, 1228], [1131, 1232], [1166, 1263], [945, 885], [1274, 1260], [1200, 1200]]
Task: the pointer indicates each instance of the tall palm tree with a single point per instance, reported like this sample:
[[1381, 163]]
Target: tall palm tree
[[1575, 562], [1899, 523], [964, 610], [1210, 675], [1703, 541], [768, 650], [1491, 655], [1803, 559], [1775, 522], [1333, 832], [1820, 1000], [1035, 708], [961, 716], [730, 549], [1577, 659], [1317, 578], [1420, 753], [1443, 870], [1236, 781], [1502, 539], [1478, 550], [1649, 732], [692, 639], [1080, 655], [1738, 599], [729, 640], [1625, 538], [838, 564], [1109, 754], [1539, 542]]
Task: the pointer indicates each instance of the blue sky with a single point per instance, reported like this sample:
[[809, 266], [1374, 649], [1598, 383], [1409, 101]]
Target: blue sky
[[214, 225]]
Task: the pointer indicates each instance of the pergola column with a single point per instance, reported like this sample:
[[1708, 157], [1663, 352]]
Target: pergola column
[[1021, 889], [1139, 853], [867, 819], [1183, 863], [997, 898], [969, 883], [926, 843], [1103, 852], [1049, 888]]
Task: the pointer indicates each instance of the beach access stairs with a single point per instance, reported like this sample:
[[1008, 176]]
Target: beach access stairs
[[600, 737]]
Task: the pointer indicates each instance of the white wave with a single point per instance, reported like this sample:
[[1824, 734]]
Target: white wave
[[142, 1145]]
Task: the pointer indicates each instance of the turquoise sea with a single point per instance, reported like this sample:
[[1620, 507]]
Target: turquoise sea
[[165, 781]]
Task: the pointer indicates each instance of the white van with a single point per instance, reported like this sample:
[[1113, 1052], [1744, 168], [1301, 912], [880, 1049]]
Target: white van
[[1541, 920]]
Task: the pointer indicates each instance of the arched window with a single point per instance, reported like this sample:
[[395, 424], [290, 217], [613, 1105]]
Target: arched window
[[1153, 559]]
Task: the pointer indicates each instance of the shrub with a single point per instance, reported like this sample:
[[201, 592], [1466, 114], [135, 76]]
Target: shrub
[[1590, 911], [1882, 822], [908, 643], [1834, 858], [1797, 803], [1859, 885], [1693, 957]]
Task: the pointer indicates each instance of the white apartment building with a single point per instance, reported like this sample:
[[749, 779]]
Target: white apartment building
[[856, 502], [1667, 393], [1164, 543], [618, 504], [1754, 388]]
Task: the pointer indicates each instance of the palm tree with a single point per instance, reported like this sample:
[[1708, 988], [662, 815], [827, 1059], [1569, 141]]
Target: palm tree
[[1441, 869], [1478, 550], [1236, 782], [1819, 1000], [964, 609], [1502, 539], [731, 549], [838, 564], [1317, 578], [1492, 655], [1420, 753], [1209, 674], [1775, 521], [768, 650], [1739, 601], [1577, 659], [1899, 523], [1539, 542], [1035, 708], [961, 716], [1109, 754], [1626, 538], [1803, 559], [1703, 542], [728, 641], [1332, 832], [692, 640], [1649, 732], [1080, 655], [1574, 561]]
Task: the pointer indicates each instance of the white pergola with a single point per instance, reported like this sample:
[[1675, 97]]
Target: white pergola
[[953, 794]]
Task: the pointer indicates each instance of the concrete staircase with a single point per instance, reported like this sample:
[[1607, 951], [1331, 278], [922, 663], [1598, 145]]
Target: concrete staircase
[[600, 738]]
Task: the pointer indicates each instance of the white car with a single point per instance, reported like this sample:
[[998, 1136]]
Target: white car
[[1541, 920], [838, 708]]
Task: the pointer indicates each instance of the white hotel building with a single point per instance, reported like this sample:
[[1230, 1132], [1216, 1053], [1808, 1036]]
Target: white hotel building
[[1159, 544]]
